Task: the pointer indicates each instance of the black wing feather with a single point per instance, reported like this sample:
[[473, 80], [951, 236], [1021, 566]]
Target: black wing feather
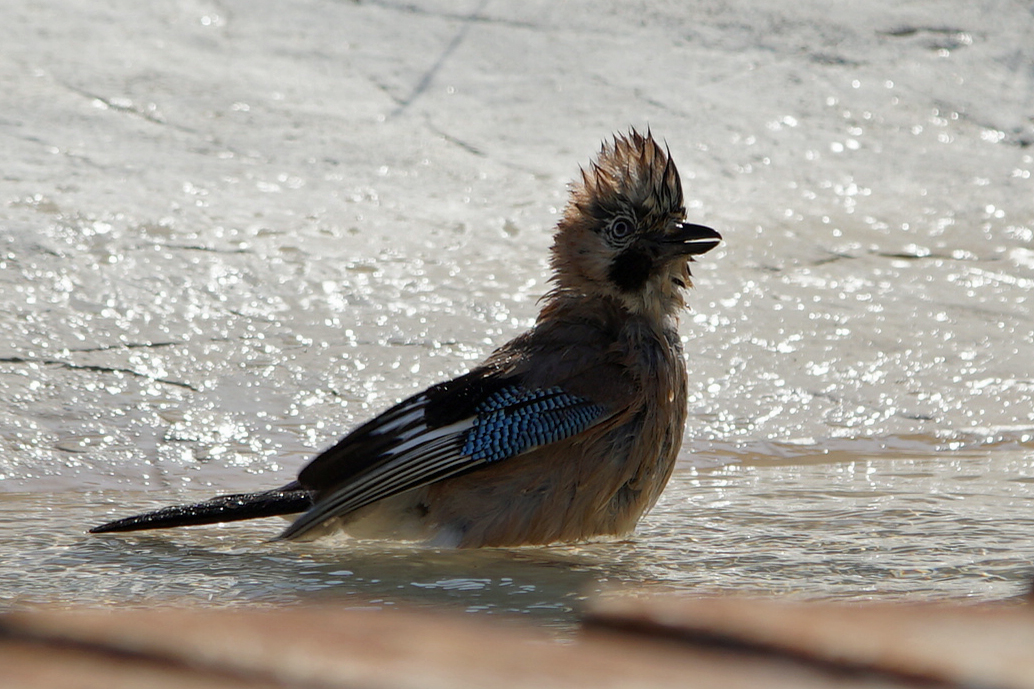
[[370, 444]]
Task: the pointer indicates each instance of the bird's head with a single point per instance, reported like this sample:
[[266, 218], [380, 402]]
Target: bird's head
[[623, 234]]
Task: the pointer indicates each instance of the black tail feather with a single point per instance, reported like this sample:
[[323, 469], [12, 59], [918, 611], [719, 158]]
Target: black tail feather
[[290, 499]]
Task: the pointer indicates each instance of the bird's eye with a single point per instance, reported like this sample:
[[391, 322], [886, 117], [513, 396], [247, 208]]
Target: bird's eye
[[620, 228]]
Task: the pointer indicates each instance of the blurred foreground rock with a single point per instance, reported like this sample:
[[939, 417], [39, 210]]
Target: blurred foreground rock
[[653, 642], [914, 644]]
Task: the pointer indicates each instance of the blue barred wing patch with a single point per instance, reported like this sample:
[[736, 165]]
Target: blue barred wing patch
[[515, 419]]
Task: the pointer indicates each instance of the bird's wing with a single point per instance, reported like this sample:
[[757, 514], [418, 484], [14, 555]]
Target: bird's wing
[[449, 429]]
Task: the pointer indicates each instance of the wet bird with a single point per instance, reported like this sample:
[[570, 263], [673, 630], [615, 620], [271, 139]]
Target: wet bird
[[568, 432]]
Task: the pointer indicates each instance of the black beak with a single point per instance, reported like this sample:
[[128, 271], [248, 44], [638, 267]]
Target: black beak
[[691, 240]]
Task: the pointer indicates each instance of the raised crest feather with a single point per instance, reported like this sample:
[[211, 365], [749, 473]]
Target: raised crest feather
[[630, 169]]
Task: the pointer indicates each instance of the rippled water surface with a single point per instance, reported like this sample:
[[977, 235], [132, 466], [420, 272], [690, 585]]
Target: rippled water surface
[[956, 527], [227, 236]]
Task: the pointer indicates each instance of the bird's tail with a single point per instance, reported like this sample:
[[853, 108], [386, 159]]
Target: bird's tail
[[290, 499]]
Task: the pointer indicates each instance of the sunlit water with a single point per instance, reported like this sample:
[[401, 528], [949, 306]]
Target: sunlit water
[[955, 527]]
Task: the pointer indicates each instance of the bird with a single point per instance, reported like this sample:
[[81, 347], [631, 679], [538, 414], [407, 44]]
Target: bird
[[567, 433]]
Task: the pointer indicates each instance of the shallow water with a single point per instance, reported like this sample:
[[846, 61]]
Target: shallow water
[[951, 527], [227, 236]]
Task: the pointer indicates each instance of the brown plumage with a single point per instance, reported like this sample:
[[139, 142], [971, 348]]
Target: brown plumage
[[568, 432]]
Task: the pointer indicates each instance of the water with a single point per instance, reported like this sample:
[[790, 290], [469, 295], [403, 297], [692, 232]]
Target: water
[[855, 528], [234, 237]]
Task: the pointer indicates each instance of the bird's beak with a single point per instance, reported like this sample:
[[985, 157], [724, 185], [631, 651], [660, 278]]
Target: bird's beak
[[690, 240]]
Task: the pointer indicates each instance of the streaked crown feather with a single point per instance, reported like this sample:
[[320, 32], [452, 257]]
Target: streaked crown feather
[[631, 173]]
